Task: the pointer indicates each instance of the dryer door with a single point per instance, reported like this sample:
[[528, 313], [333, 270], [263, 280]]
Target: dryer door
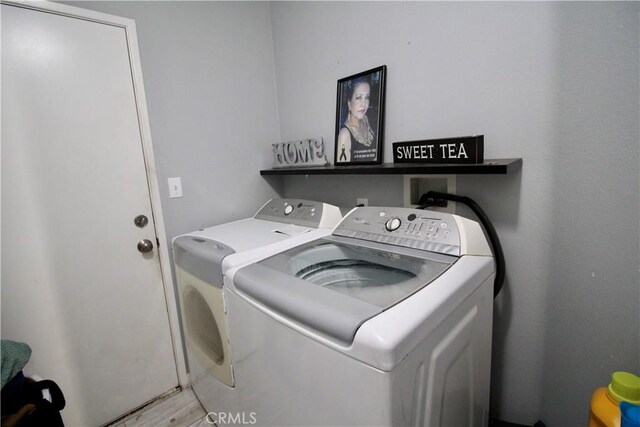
[[205, 328], [199, 275]]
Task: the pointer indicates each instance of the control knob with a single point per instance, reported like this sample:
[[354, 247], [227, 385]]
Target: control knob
[[392, 224], [288, 209]]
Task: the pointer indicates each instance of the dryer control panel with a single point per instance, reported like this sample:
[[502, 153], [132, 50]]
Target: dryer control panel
[[300, 212], [413, 228]]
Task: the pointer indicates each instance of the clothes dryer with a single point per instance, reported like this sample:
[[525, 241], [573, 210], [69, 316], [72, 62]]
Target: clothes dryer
[[201, 259], [386, 322]]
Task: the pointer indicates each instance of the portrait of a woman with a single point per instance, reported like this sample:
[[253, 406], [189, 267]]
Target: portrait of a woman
[[359, 118]]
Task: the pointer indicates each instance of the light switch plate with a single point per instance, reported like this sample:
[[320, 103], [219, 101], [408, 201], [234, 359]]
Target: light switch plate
[[175, 187]]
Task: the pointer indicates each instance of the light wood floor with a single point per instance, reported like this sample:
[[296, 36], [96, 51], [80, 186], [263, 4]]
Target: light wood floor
[[180, 409]]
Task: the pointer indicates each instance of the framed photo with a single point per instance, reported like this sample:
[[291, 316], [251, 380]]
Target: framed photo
[[360, 118]]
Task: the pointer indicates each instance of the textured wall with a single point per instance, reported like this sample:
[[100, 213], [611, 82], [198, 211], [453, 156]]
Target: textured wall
[[553, 83]]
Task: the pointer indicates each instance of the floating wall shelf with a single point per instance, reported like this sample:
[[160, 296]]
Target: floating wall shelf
[[490, 166]]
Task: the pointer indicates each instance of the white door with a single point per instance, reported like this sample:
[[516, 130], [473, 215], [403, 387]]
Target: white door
[[75, 286]]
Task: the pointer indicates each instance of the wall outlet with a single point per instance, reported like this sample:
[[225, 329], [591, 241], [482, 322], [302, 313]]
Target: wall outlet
[[362, 202], [416, 185]]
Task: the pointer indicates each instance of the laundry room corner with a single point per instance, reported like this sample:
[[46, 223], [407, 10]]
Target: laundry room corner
[[553, 86]]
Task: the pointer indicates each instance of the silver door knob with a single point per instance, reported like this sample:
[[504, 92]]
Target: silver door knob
[[145, 246]]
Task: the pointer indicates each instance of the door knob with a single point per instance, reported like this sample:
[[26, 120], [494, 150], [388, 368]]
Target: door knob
[[145, 246]]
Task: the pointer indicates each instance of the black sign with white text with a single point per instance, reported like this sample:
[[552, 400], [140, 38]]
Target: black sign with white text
[[460, 150]]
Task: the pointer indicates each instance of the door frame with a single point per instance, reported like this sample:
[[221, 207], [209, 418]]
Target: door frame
[[129, 27]]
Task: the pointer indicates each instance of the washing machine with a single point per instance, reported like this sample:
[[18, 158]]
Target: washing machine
[[201, 259], [385, 322]]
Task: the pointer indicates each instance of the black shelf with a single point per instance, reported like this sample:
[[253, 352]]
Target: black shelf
[[490, 166]]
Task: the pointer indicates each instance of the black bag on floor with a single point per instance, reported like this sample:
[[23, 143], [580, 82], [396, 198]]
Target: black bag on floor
[[23, 404]]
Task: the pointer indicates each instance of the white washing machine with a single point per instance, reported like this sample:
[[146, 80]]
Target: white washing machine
[[386, 322], [201, 259]]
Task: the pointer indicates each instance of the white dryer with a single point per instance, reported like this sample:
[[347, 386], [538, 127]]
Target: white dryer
[[386, 322], [201, 259]]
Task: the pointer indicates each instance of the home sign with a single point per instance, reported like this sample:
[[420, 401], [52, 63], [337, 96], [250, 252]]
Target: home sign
[[307, 152]]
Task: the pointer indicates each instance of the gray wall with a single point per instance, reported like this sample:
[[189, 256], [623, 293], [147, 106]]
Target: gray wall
[[553, 83]]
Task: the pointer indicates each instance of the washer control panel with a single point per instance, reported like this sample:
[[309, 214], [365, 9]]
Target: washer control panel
[[293, 211], [412, 228]]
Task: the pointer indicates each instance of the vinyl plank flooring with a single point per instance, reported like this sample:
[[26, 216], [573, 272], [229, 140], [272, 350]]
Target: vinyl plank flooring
[[178, 410]]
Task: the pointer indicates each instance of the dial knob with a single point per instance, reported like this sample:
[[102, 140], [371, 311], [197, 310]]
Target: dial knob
[[392, 224], [288, 209]]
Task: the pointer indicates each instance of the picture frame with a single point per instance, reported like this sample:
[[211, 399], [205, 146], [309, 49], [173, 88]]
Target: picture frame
[[360, 118]]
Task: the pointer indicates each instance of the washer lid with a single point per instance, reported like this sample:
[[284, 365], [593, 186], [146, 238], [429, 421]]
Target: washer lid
[[334, 287], [201, 257]]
